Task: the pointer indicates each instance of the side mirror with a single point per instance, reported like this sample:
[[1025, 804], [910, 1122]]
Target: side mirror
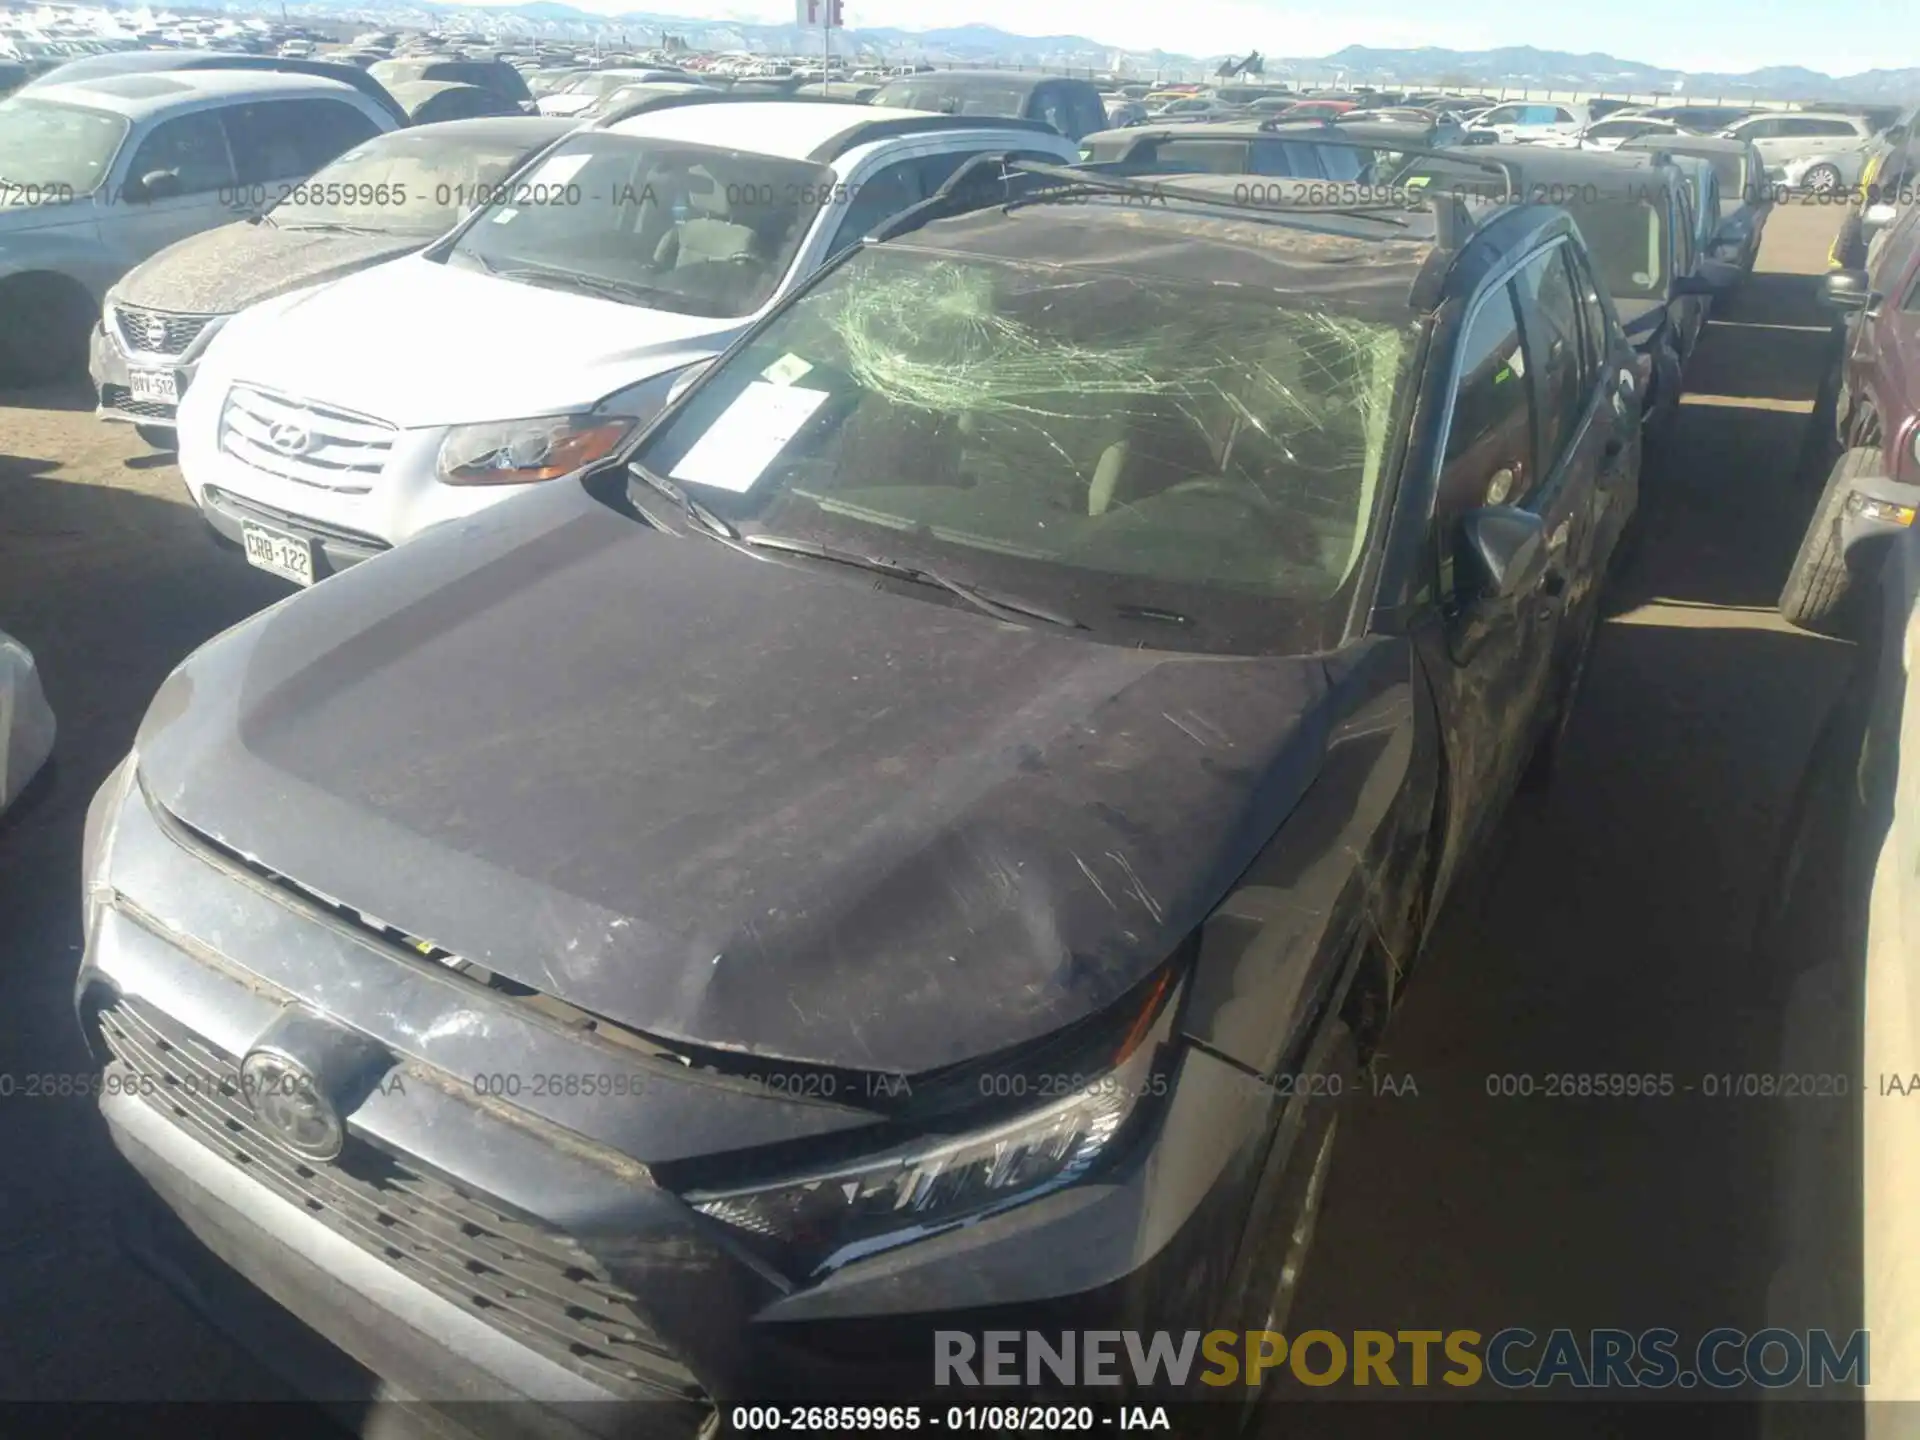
[[1503, 550], [155, 185], [1878, 217], [1846, 290]]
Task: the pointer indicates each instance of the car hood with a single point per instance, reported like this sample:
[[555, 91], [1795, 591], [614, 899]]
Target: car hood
[[221, 271], [730, 802], [419, 343]]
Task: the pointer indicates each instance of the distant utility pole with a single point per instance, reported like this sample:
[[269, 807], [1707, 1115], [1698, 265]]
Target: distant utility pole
[[827, 15]]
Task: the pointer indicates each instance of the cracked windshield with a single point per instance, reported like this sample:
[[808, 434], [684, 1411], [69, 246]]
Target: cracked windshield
[[1136, 436]]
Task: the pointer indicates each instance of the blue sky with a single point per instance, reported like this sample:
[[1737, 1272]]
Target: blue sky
[[1722, 35]]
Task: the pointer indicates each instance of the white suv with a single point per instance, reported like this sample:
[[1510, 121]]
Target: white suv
[[1786, 136], [1528, 122], [336, 422]]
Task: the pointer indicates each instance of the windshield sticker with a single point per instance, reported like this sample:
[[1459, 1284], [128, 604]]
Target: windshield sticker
[[559, 170], [747, 437], [786, 370], [506, 215]]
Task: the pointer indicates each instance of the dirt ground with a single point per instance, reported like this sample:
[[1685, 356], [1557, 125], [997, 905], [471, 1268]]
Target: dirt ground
[[1624, 927]]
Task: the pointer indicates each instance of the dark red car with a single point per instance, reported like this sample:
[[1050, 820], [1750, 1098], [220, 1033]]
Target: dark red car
[[1873, 491]]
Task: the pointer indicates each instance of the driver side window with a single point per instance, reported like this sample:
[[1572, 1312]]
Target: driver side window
[[193, 148], [1490, 432]]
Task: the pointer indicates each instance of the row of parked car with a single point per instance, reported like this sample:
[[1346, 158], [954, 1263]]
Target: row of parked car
[[1817, 149], [932, 691]]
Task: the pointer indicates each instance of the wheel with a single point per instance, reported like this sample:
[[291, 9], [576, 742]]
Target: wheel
[[158, 437], [45, 321], [1822, 178], [1286, 1208], [1818, 584]]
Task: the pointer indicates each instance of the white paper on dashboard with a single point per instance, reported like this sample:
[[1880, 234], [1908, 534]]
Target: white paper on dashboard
[[739, 446], [559, 170]]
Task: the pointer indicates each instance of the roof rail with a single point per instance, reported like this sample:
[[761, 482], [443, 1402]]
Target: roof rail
[[868, 133], [1058, 182]]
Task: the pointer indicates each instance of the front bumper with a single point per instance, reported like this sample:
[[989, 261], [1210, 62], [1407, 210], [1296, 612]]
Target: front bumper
[[1149, 1246], [391, 506], [110, 364]]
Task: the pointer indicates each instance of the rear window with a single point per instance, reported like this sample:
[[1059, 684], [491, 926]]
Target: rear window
[[1627, 241], [955, 97]]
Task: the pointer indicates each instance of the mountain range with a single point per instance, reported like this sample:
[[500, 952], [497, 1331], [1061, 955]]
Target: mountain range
[[1515, 67]]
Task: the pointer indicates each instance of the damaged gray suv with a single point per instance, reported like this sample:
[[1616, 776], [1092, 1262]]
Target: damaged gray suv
[[923, 842]]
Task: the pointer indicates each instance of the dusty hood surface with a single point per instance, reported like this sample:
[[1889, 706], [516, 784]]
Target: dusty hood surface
[[734, 802], [419, 343], [225, 270]]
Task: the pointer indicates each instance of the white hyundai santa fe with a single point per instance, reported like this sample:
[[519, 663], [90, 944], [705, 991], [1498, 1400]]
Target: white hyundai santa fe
[[330, 424]]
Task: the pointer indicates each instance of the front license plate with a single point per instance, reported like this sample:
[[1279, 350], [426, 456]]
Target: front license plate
[[159, 386], [287, 556]]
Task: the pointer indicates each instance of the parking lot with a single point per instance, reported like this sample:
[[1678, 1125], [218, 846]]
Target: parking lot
[[1625, 926]]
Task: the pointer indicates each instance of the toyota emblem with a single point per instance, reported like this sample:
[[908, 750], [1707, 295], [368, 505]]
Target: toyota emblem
[[289, 438], [156, 333], [288, 1102], [303, 1075]]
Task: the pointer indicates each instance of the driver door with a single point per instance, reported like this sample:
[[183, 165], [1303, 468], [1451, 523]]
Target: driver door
[[1490, 660], [191, 150]]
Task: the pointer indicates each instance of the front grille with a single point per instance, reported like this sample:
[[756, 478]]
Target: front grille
[[120, 398], [156, 332], [312, 444], [531, 1283]]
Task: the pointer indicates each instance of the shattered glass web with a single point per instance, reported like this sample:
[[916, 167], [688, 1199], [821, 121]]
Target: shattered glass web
[[938, 338]]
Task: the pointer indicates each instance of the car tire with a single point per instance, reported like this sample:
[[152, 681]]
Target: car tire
[[1821, 179], [1819, 584], [46, 322], [1288, 1201], [158, 437]]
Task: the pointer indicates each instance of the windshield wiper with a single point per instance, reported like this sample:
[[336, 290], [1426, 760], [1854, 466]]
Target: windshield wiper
[[332, 226], [601, 285], [1001, 607], [692, 508]]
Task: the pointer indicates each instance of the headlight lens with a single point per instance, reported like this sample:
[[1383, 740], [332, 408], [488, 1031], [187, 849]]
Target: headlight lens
[[823, 1220], [518, 452], [97, 835]]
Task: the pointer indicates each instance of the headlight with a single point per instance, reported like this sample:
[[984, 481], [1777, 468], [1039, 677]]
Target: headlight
[[517, 452], [96, 838], [824, 1219]]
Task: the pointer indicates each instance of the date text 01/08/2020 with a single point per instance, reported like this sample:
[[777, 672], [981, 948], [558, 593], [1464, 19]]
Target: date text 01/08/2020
[[989, 1419], [1719, 1085]]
